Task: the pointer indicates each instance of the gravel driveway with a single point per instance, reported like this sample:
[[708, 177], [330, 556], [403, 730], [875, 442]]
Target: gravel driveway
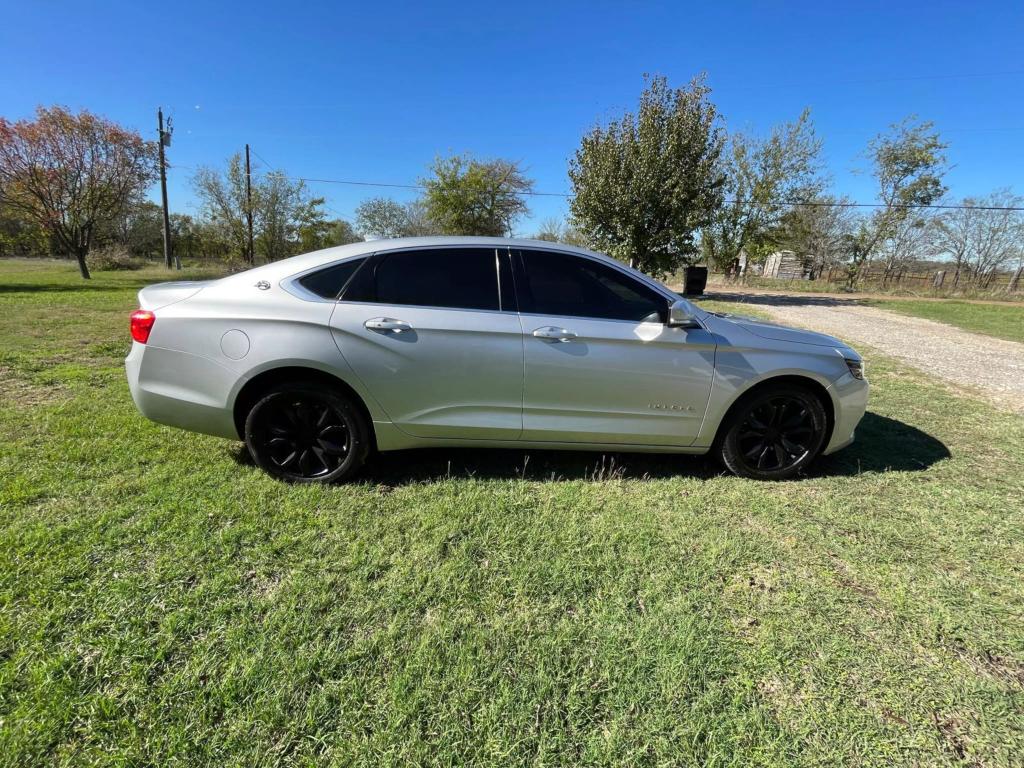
[[991, 367]]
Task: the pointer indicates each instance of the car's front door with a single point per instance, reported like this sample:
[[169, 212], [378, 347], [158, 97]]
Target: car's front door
[[436, 341], [601, 365]]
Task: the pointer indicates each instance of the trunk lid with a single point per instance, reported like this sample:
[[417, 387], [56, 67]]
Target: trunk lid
[[154, 297]]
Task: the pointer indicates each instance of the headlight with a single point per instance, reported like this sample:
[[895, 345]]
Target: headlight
[[856, 367]]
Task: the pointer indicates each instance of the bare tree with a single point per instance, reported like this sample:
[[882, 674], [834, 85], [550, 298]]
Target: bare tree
[[556, 230], [954, 230], [72, 173], [997, 236], [980, 239], [912, 239]]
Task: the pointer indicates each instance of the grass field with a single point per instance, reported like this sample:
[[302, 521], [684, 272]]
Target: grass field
[[162, 602], [910, 290], [1005, 321]]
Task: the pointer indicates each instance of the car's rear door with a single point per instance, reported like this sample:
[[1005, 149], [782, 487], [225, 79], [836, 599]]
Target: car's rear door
[[601, 365], [436, 341]]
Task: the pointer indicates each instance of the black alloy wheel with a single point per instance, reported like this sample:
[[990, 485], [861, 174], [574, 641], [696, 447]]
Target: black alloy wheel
[[303, 434], [775, 433]]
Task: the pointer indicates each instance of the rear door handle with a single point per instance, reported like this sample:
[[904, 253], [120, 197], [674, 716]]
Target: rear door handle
[[551, 333], [387, 324]]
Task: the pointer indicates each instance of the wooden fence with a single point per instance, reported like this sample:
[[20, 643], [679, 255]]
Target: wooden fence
[[931, 280]]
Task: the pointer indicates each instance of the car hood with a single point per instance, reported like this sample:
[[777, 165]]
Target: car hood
[[782, 333]]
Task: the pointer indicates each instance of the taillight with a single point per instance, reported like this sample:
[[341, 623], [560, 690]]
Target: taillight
[[142, 324]]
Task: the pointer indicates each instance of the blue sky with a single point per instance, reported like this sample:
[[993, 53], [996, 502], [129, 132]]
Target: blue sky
[[374, 91]]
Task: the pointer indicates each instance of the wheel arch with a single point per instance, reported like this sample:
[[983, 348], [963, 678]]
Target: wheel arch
[[264, 380], [816, 387]]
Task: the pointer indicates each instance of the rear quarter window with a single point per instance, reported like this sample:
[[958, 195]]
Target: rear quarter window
[[328, 283]]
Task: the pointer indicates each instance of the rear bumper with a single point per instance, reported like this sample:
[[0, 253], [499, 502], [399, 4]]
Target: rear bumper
[[181, 390], [850, 397]]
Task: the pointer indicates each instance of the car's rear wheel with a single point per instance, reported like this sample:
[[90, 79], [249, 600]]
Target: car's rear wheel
[[774, 433], [303, 433]]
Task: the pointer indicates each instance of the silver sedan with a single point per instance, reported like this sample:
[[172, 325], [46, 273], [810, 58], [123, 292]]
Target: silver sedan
[[318, 360]]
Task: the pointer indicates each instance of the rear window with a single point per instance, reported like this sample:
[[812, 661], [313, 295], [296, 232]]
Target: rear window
[[328, 283]]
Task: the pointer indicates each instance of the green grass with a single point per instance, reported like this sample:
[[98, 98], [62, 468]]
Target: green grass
[[162, 602], [1003, 320]]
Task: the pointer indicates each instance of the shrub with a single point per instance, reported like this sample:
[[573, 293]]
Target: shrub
[[110, 258]]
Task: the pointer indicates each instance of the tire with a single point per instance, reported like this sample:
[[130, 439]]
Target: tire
[[305, 433], [774, 433]]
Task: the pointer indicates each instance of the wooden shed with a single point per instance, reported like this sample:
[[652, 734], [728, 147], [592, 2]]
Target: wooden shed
[[786, 265]]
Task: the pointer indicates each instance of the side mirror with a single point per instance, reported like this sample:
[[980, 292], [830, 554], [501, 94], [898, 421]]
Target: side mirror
[[680, 315]]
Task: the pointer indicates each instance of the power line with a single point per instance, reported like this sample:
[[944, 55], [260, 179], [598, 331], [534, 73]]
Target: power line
[[820, 203], [566, 195], [260, 157]]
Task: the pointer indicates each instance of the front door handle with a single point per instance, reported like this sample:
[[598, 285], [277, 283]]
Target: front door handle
[[387, 324], [551, 333]]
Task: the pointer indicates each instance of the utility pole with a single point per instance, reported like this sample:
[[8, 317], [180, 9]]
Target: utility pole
[[165, 141], [248, 203]]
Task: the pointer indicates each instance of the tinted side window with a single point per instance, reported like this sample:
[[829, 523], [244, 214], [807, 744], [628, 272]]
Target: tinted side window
[[461, 278], [328, 282], [563, 284]]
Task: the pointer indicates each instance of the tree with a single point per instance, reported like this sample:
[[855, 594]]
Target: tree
[[318, 233], [464, 196], [908, 164], [21, 237], [341, 233], [911, 240], [284, 209], [212, 240], [819, 231], [72, 173], [139, 229], [555, 230], [645, 184], [383, 218], [225, 204], [762, 177], [281, 208], [981, 240]]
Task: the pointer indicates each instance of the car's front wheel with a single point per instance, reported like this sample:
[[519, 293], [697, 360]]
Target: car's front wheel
[[774, 433], [303, 433]]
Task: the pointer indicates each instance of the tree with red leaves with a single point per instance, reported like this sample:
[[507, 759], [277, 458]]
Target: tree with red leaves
[[72, 173]]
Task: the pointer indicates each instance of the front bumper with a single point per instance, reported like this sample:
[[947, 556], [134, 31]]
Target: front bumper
[[850, 397]]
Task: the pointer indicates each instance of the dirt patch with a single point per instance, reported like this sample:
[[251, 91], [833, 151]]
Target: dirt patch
[[263, 586], [21, 391], [953, 734]]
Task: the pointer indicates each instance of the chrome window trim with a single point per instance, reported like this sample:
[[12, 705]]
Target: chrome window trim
[[504, 312], [292, 286]]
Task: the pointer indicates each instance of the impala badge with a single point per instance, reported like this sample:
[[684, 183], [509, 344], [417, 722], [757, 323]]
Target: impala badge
[[263, 285], [669, 407]]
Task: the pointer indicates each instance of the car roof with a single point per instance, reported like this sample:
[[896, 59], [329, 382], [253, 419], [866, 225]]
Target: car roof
[[287, 267]]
